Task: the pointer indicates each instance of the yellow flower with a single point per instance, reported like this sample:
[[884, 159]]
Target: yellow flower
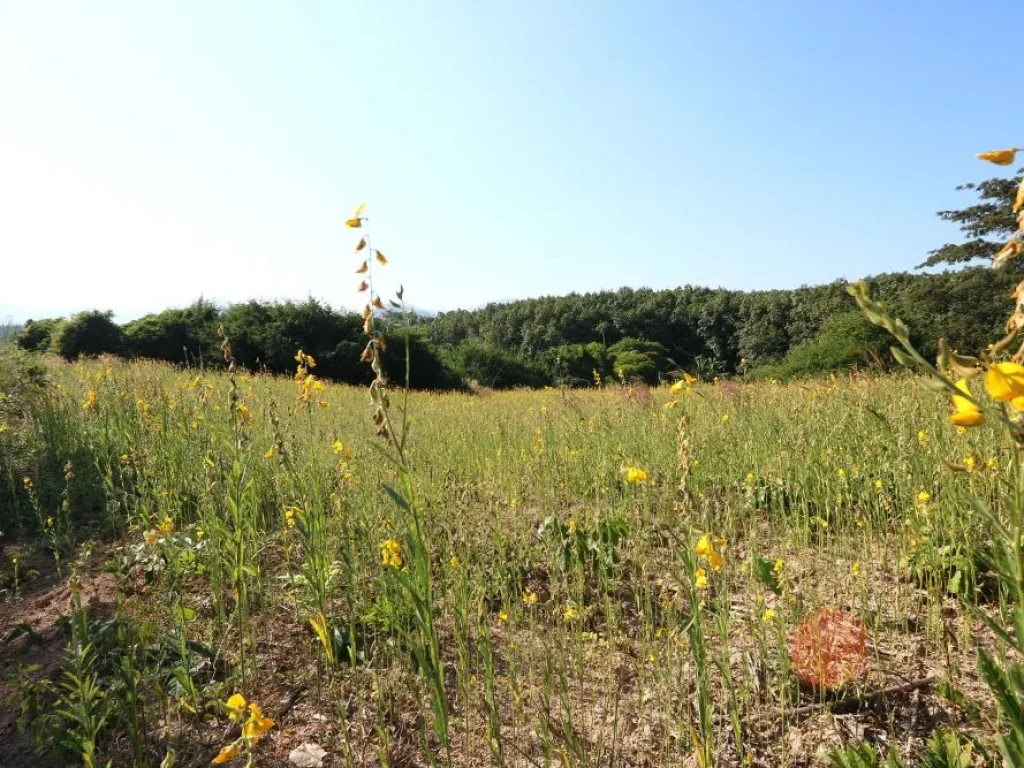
[[453, 561], [991, 464], [391, 553], [380, 258], [841, 473], [49, 522], [377, 302], [256, 725], [922, 436], [530, 598], [855, 568], [779, 565], [243, 412], [269, 453], [502, 617], [361, 244], [363, 285], [289, 516], [878, 485], [671, 405], [90, 400], [570, 613], [635, 475], [235, 707], [230, 752], [364, 268], [166, 525], [725, 417], [676, 388], [337, 447], [354, 222], [769, 615], [999, 156], [700, 579], [150, 537], [971, 463], [750, 478], [923, 497], [1005, 381], [967, 414]]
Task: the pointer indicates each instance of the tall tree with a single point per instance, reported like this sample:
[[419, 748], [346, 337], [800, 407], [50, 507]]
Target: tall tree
[[987, 224]]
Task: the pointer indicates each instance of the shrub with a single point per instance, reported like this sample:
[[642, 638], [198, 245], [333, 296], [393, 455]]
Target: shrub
[[845, 341], [37, 334], [88, 333]]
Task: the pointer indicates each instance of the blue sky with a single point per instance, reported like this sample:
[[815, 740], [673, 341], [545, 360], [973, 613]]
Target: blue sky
[[151, 153]]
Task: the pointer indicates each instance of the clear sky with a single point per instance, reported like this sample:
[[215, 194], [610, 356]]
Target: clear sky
[[152, 152]]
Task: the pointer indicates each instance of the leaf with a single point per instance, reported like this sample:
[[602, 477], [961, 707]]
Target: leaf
[[764, 569], [308, 755]]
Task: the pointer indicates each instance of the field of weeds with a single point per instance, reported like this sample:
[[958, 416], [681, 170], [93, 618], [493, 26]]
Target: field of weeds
[[236, 567]]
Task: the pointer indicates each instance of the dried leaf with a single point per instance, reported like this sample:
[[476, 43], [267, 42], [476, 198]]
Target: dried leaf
[[308, 755]]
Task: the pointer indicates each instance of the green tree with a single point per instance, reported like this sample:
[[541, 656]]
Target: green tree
[[987, 225], [37, 334], [88, 333]]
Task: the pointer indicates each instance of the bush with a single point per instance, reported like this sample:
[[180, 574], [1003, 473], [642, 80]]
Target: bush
[[37, 334], [573, 365], [175, 335], [88, 333], [846, 341], [493, 367], [637, 359]]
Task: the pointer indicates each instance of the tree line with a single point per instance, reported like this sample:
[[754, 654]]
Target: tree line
[[578, 339], [565, 340]]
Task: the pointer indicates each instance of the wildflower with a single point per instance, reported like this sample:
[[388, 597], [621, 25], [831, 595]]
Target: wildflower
[[967, 414], [269, 453], [166, 525], [1005, 382], [230, 752], [878, 485], [671, 405], [377, 302], [991, 464], [243, 412], [363, 285], [635, 476], [289, 516], [363, 268], [570, 613], [361, 244], [779, 565], [151, 537], [855, 568], [923, 497], [357, 220], [530, 598], [841, 473], [768, 616], [200, 533], [706, 549], [678, 387], [124, 459], [971, 463], [453, 561], [961, 431], [337, 447], [922, 437], [256, 725], [502, 617], [700, 580], [380, 258], [391, 553], [235, 707], [90, 400], [26, 482], [49, 522], [725, 417], [750, 478], [999, 156]]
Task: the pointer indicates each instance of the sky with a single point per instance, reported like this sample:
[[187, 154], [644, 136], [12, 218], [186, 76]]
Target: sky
[[153, 153]]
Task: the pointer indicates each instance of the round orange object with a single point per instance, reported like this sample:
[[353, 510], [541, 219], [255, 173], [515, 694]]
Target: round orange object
[[829, 649]]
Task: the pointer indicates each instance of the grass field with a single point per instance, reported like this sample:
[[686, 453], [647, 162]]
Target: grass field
[[611, 576]]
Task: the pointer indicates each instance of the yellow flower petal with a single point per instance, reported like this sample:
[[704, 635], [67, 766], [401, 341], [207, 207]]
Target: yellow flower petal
[[998, 156], [235, 707], [360, 209], [354, 223], [230, 752], [363, 269], [1004, 381], [380, 257]]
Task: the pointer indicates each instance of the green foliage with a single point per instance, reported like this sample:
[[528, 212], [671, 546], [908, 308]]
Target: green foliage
[[88, 333], [862, 756], [845, 341], [176, 335], [987, 224], [637, 359], [493, 367], [36, 335]]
